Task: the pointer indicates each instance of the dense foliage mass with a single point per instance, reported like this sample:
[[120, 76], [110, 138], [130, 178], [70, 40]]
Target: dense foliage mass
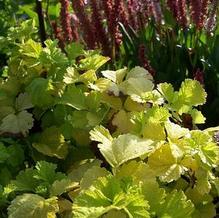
[[118, 132], [78, 141]]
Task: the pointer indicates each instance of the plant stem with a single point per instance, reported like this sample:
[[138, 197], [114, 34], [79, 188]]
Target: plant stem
[[42, 31]]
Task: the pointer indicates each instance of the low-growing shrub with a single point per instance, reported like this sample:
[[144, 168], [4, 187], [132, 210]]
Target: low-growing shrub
[[80, 142]]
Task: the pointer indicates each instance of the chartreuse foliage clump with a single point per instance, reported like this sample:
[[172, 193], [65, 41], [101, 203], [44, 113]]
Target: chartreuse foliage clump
[[81, 142]]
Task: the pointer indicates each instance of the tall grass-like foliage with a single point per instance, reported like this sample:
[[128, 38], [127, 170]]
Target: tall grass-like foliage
[[99, 20], [66, 20], [100, 33], [85, 23]]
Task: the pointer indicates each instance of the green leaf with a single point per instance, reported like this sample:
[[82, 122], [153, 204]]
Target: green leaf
[[100, 85], [4, 155], [61, 186], [205, 211], [202, 181], [131, 105], [93, 100], [123, 122], [91, 175], [154, 131], [22, 32], [150, 123], [52, 55], [197, 116], [78, 119], [4, 193], [17, 123], [115, 213], [43, 177], [176, 205], [165, 162], [201, 145], [112, 101], [157, 114], [112, 88], [28, 9], [23, 102], [93, 62], [74, 50], [167, 91], [192, 93], [54, 10], [100, 134], [5, 175], [136, 86], [125, 148], [81, 137], [215, 182], [140, 172], [73, 97], [107, 194], [3, 199], [80, 168], [6, 110], [153, 194], [138, 81], [88, 77], [115, 76], [119, 150], [60, 113], [204, 206], [95, 119], [41, 90], [34, 206], [46, 172], [10, 87], [52, 143], [31, 49], [25, 181], [139, 72], [154, 97], [71, 75], [175, 131]]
